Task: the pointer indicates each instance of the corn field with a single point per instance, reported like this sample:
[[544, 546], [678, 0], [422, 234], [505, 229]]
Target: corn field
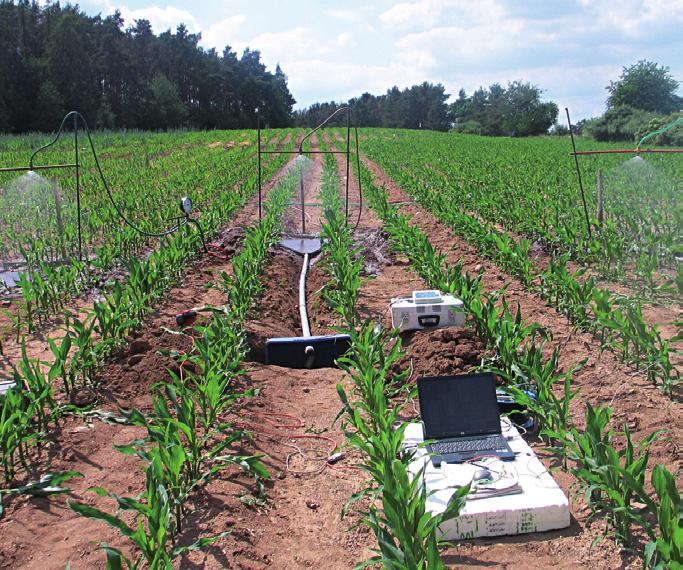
[[453, 211]]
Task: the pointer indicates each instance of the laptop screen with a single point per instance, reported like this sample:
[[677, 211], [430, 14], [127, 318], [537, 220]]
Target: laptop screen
[[453, 406]]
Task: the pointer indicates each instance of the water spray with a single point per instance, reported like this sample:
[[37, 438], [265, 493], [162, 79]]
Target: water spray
[[76, 117], [636, 159]]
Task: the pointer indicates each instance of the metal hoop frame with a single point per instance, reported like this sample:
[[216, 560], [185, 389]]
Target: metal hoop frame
[[302, 152]]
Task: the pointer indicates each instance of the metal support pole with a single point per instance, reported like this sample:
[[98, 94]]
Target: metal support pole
[[42, 167], [301, 187], [258, 129], [600, 198], [78, 189], [348, 161], [360, 184], [578, 174]]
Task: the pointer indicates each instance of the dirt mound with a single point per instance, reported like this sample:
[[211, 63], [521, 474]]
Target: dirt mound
[[127, 381], [441, 351], [278, 307], [229, 241]]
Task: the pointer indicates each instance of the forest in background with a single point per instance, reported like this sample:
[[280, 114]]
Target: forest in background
[[55, 59], [515, 110]]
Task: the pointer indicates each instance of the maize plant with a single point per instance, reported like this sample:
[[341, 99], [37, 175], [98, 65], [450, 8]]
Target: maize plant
[[153, 531], [406, 532], [610, 479], [343, 261]]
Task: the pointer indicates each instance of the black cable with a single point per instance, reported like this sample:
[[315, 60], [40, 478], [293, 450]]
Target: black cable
[[104, 181], [320, 126], [111, 198], [360, 188]]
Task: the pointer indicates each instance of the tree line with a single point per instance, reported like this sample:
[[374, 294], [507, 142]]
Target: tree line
[[515, 110], [641, 101], [54, 59], [417, 107]]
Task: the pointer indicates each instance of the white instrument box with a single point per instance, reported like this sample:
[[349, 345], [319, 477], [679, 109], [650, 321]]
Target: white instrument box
[[427, 310], [541, 505]]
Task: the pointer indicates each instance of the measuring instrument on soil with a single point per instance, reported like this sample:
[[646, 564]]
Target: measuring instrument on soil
[[426, 310]]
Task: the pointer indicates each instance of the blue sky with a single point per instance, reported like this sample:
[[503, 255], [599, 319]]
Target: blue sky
[[336, 50]]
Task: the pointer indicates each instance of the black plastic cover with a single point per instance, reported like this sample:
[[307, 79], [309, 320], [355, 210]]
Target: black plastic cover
[[293, 352]]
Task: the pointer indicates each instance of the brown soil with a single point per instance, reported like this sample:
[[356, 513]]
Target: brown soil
[[282, 276], [298, 525], [602, 381]]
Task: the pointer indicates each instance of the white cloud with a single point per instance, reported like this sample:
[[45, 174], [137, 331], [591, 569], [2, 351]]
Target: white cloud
[[286, 47], [456, 43], [345, 39], [427, 13], [407, 13], [161, 18], [318, 79], [223, 33]]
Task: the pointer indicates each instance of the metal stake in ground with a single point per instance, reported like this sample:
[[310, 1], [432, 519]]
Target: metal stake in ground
[[578, 173]]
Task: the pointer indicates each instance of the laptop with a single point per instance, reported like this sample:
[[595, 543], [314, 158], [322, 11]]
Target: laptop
[[461, 414]]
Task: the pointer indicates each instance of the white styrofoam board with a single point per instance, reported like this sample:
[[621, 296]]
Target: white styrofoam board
[[542, 505], [6, 386]]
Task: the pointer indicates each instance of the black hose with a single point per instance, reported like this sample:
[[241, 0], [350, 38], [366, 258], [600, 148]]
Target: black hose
[[111, 198], [320, 126], [104, 181]]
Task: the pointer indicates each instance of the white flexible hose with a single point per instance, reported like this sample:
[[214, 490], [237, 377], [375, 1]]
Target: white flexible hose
[[305, 328]]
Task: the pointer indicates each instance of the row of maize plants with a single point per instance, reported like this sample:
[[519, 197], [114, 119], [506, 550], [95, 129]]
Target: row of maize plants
[[145, 189], [396, 501], [188, 438], [615, 320], [611, 476], [89, 340], [529, 187]]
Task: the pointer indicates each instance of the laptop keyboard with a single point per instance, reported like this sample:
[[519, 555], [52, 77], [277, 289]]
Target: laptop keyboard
[[493, 443]]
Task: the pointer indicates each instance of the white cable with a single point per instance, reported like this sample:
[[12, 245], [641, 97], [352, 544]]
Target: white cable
[[305, 328]]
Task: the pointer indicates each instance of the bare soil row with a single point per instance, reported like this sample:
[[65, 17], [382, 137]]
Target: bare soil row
[[299, 526]]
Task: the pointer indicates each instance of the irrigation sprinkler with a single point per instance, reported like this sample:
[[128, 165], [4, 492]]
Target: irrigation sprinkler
[[635, 151], [309, 351], [78, 122], [302, 152]]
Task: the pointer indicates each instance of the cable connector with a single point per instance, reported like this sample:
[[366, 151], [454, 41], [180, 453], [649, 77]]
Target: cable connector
[[335, 457], [186, 318]]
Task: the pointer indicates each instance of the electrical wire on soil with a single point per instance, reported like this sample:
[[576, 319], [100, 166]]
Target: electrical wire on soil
[[326, 457]]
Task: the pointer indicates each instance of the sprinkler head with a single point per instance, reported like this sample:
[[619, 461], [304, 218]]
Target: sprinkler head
[[186, 205]]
